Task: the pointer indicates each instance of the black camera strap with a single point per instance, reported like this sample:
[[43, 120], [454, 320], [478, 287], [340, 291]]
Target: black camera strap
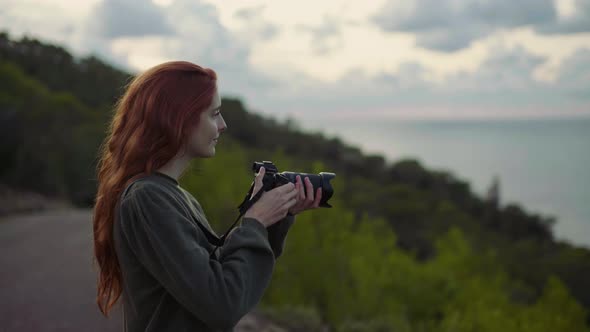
[[243, 207]]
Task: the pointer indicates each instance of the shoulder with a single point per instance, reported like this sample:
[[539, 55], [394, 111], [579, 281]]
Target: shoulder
[[192, 199], [147, 191], [148, 185], [154, 205]]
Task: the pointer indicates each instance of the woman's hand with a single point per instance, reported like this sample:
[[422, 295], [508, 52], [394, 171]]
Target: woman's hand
[[305, 202], [272, 205]]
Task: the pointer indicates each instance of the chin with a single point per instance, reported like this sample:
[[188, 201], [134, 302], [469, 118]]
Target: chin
[[209, 154]]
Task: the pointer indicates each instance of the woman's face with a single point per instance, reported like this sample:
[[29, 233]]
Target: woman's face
[[204, 136]]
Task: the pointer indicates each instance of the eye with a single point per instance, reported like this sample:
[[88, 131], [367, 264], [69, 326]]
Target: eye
[[217, 113]]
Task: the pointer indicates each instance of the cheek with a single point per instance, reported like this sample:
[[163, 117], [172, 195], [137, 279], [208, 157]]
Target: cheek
[[213, 125]]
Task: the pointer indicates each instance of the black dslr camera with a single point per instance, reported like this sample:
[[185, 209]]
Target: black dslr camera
[[272, 178]]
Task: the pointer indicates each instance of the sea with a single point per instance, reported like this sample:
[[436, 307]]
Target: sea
[[542, 164]]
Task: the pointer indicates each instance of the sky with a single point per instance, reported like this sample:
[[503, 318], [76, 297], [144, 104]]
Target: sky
[[364, 60]]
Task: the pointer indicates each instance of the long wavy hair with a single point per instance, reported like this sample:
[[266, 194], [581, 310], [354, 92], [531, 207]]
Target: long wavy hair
[[151, 123]]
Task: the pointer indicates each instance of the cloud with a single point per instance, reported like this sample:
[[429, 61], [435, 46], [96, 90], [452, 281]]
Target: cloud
[[504, 82], [503, 69], [130, 18], [578, 21], [21, 17], [450, 25], [204, 40], [256, 27], [197, 36], [249, 13], [574, 75], [326, 37]]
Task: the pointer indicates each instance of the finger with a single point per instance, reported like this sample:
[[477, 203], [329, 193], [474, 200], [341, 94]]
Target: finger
[[260, 175], [288, 187], [309, 188], [290, 203], [261, 172], [318, 198], [293, 194], [288, 196], [301, 196], [297, 183]]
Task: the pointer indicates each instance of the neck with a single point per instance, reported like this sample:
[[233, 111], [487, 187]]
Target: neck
[[176, 166]]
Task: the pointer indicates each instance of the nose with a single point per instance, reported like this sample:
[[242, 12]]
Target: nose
[[222, 125]]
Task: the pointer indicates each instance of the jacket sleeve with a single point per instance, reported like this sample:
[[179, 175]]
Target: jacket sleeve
[[167, 243], [277, 233]]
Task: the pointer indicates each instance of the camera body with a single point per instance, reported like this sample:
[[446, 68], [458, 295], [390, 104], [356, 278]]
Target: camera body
[[273, 178]]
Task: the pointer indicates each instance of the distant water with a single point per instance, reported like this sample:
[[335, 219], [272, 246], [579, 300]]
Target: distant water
[[544, 165]]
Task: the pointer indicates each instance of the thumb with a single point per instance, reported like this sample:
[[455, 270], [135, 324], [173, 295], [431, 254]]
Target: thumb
[[258, 181], [260, 176], [261, 171]]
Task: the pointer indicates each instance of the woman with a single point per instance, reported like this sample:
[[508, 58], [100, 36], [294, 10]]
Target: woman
[[148, 242]]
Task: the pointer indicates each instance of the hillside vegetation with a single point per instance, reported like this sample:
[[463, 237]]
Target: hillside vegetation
[[404, 248]]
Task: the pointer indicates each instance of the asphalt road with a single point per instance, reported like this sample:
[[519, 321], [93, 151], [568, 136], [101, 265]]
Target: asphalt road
[[47, 277], [48, 280]]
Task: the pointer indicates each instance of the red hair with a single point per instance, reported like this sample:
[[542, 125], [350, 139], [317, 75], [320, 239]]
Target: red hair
[[151, 123]]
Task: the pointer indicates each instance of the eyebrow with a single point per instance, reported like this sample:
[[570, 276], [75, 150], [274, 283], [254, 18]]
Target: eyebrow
[[216, 108]]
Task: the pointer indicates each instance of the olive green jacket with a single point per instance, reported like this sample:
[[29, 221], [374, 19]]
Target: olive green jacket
[[170, 282]]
